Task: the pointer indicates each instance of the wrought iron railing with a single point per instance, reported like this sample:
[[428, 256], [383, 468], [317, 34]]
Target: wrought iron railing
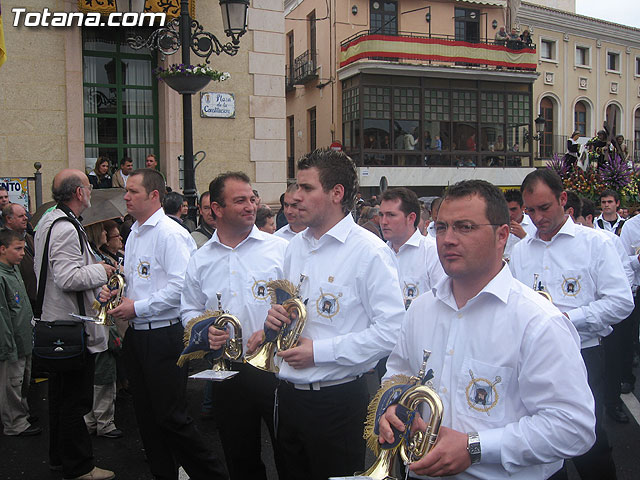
[[305, 68]]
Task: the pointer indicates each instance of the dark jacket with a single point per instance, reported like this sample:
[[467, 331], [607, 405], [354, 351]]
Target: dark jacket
[[15, 315]]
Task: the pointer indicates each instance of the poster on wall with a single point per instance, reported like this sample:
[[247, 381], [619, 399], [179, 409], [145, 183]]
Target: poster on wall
[[18, 189], [217, 105]]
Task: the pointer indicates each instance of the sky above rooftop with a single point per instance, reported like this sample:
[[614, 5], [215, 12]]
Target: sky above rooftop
[[626, 12]]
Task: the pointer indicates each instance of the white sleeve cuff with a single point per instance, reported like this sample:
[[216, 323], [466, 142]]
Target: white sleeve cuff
[[491, 445], [577, 317], [323, 351], [141, 308]]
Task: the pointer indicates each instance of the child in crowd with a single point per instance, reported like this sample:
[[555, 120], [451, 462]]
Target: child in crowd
[[15, 339]]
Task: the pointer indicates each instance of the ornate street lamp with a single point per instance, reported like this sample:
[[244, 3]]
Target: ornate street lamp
[[190, 34], [126, 6]]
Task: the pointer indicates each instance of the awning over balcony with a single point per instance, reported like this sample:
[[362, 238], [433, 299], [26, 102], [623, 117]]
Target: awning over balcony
[[435, 49], [499, 3]]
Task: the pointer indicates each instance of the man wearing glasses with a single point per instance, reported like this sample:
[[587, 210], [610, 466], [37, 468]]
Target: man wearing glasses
[[582, 272], [506, 362]]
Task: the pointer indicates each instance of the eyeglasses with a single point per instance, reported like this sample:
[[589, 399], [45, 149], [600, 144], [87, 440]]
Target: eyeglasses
[[113, 236], [460, 227], [90, 187]]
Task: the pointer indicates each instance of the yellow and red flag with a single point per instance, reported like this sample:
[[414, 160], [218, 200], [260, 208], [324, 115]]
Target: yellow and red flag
[[3, 48]]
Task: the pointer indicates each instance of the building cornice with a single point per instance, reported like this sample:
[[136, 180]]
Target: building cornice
[[464, 73], [578, 25]]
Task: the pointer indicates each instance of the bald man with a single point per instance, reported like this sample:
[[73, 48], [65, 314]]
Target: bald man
[[72, 280]]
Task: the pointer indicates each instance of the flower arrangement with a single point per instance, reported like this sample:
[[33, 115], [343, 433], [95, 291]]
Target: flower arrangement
[[182, 70], [614, 174]]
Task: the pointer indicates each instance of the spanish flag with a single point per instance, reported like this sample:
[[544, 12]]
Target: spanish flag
[[3, 48]]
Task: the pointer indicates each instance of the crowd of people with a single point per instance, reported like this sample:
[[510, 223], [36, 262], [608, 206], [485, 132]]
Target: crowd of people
[[525, 379]]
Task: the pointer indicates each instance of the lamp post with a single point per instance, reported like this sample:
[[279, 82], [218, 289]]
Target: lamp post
[[539, 125], [189, 34]]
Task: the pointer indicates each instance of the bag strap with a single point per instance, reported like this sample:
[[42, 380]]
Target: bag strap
[[44, 266], [601, 223], [619, 227]]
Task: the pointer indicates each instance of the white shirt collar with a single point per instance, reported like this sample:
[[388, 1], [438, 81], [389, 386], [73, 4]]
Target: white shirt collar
[[499, 286], [340, 231], [255, 234], [413, 241], [569, 228], [152, 221]]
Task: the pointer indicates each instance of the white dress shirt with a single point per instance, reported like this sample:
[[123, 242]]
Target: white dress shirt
[[354, 307], [622, 254], [529, 228], [240, 274], [419, 266], [156, 257], [286, 233], [605, 223], [582, 272], [630, 238], [506, 365]]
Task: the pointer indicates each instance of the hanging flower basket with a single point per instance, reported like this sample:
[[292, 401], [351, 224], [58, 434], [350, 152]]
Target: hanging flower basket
[[189, 79]]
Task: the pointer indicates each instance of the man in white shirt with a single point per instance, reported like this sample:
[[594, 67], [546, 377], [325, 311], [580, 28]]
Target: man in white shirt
[[418, 263], [506, 363], [290, 207], [582, 272], [157, 254], [435, 206], [354, 312], [520, 224], [237, 263], [609, 218]]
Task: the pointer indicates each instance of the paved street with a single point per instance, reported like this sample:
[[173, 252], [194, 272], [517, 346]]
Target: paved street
[[26, 458]]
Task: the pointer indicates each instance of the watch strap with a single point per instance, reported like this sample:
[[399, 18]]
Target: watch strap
[[473, 447]]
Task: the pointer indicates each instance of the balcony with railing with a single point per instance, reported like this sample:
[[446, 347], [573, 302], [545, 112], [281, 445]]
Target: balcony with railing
[[305, 68], [410, 47]]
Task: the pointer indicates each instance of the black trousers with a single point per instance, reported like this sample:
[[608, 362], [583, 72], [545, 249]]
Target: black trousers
[[618, 352], [70, 398], [320, 432], [597, 463], [169, 435], [240, 404]]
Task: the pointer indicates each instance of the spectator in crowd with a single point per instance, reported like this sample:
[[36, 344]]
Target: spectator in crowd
[[120, 177], [501, 36], [184, 215], [294, 225], [520, 225], [73, 275], [172, 206], [526, 39], [15, 217], [151, 162], [16, 336], [113, 245], [370, 220], [99, 177], [265, 220], [207, 224], [281, 218], [4, 201]]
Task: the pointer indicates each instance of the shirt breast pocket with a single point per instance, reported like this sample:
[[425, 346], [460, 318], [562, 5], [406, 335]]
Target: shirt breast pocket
[[257, 291], [331, 302], [572, 287], [481, 391], [142, 269]]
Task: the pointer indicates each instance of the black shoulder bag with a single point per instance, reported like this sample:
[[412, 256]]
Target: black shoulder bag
[[60, 345]]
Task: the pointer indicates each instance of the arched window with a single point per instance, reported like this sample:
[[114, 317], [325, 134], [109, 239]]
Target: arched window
[[580, 118], [546, 141], [614, 119]]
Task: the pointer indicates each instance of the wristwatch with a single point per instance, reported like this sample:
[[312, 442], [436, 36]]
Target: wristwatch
[[473, 447]]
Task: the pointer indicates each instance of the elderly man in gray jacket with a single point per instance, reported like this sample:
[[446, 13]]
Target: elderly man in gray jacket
[[72, 268]]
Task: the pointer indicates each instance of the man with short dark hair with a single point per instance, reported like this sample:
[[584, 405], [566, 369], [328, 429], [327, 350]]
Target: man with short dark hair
[[294, 225], [520, 225], [156, 257], [70, 286], [581, 271], [506, 363], [237, 263], [207, 221], [418, 263], [354, 314], [120, 178], [609, 219], [151, 162], [172, 205], [265, 220]]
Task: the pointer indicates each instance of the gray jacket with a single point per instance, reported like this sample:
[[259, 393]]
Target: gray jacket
[[69, 270]]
